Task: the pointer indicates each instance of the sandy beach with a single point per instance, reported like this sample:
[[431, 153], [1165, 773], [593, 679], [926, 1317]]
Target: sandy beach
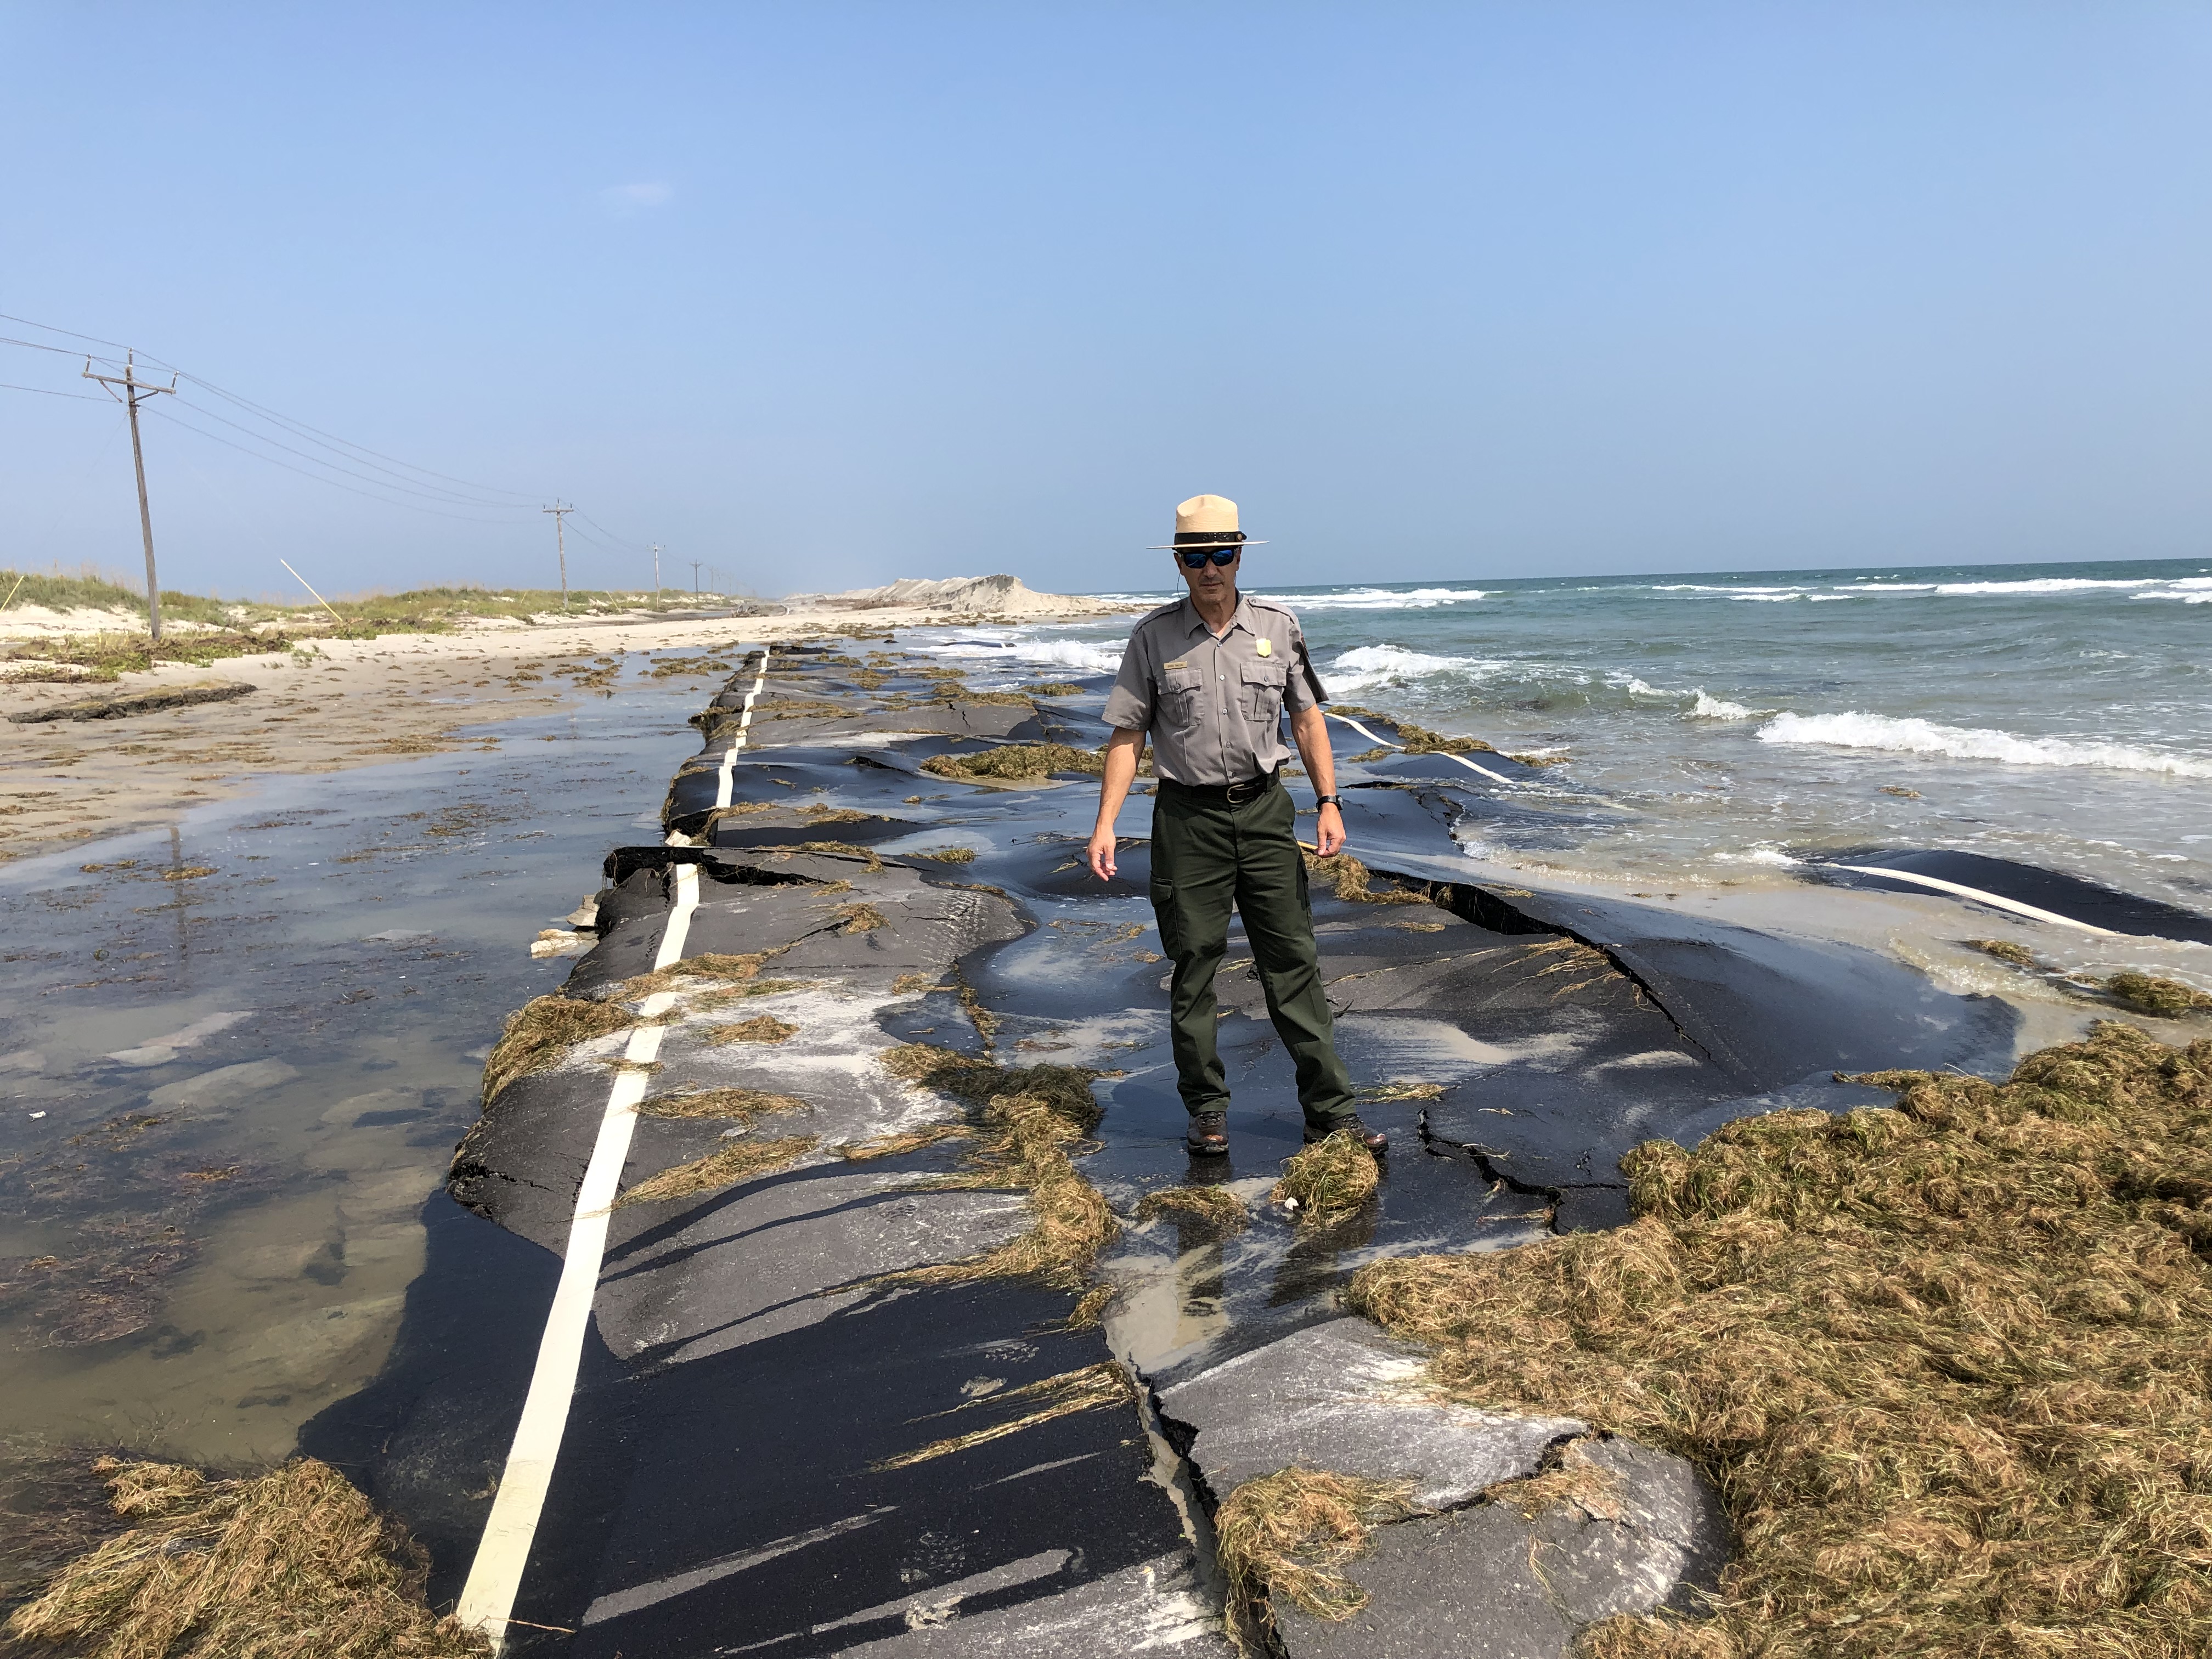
[[337, 703]]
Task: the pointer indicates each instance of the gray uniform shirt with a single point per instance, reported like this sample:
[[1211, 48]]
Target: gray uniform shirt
[[1213, 707]]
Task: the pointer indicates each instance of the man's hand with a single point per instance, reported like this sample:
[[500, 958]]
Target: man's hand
[[1102, 852], [1328, 834], [1123, 750]]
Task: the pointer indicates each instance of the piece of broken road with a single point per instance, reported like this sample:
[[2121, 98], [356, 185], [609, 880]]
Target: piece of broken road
[[842, 1394]]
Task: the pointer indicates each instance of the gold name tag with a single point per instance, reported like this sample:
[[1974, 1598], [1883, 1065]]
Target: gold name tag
[[1177, 663], [1267, 648]]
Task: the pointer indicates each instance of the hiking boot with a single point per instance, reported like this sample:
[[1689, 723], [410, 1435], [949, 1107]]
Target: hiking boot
[[1209, 1135], [1373, 1139]]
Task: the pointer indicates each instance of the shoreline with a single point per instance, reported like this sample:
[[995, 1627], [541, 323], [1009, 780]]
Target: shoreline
[[336, 704]]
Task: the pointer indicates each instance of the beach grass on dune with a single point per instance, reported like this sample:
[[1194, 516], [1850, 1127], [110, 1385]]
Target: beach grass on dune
[[1945, 1361]]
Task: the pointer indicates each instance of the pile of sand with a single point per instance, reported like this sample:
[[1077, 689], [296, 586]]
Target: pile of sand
[[966, 596]]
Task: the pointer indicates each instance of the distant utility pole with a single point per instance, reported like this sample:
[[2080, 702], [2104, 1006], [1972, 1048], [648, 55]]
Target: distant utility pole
[[656, 570], [695, 564], [560, 523], [134, 390]]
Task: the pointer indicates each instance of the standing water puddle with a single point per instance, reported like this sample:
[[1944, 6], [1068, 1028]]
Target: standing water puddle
[[236, 1055]]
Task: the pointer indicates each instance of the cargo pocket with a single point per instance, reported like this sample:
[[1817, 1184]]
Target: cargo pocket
[[1262, 692]]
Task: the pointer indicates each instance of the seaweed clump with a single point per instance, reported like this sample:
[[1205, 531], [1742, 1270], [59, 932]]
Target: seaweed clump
[[1028, 1120], [2167, 998], [1214, 1209], [1017, 760], [1348, 879], [538, 1034], [745, 1160], [1328, 1180], [2005, 951], [1944, 1361], [1290, 1534], [295, 1564]]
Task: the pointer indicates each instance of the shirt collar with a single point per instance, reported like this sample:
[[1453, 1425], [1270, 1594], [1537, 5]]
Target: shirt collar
[[1240, 617]]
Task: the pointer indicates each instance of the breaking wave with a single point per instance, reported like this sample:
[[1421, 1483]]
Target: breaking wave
[[1383, 598], [1369, 667], [1919, 736], [1716, 708], [1036, 654]]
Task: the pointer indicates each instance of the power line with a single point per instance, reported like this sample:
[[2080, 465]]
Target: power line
[[82, 396], [216, 437], [451, 497], [331, 441]]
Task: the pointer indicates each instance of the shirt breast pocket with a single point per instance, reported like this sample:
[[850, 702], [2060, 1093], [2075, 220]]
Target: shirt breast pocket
[[1179, 694], [1263, 691]]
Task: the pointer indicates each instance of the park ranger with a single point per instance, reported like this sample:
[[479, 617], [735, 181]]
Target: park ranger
[[1208, 677]]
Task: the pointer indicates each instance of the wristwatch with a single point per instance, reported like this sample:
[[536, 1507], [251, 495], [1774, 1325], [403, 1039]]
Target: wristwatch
[[1337, 801]]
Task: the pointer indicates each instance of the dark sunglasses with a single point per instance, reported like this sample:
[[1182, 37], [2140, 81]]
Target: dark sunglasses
[[1196, 558]]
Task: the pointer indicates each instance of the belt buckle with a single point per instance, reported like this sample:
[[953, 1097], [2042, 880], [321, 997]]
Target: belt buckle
[[1238, 793]]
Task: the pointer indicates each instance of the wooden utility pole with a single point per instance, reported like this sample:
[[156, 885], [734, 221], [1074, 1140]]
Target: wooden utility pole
[[135, 389], [560, 542], [656, 570], [695, 564]]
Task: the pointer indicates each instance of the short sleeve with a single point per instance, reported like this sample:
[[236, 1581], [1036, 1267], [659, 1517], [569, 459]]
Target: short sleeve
[[1129, 704], [1302, 689]]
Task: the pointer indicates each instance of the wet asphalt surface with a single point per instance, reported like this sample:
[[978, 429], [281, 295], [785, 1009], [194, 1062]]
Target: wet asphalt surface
[[255, 1044], [726, 1483]]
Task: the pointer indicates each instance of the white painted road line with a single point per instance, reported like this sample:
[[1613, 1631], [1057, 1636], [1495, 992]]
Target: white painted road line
[[1980, 897], [729, 768], [495, 1576], [1495, 777]]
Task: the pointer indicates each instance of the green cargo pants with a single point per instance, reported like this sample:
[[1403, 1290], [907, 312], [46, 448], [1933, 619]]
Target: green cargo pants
[[1208, 855]]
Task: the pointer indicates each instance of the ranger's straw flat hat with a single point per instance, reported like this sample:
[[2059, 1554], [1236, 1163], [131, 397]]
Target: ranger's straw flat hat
[[1207, 522]]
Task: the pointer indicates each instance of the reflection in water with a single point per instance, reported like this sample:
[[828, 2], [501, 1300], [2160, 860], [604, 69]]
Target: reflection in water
[[237, 1053]]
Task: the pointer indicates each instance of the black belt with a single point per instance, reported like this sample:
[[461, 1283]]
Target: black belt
[[1234, 794]]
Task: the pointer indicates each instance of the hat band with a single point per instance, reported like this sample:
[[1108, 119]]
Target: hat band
[[1208, 538]]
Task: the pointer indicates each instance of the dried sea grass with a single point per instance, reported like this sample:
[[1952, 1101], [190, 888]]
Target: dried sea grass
[[2004, 950], [950, 854], [905, 1141], [1347, 878], [1403, 1089], [1017, 760], [539, 1033], [859, 919], [1093, 1388], [1029, 1118], [1943, 1361], [761, 1028], [1289, 1533], [1215, 1208], [746, 1106], [295, 1564], [2167, 998], [1328, 1180], [741, 1160]]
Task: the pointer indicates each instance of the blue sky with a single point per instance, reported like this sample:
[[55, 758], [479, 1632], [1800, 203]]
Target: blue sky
[[826, 293]]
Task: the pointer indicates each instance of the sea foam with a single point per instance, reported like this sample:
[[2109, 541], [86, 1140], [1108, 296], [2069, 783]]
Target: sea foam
[[1382, 599], [1918, 737], [1366, 667]]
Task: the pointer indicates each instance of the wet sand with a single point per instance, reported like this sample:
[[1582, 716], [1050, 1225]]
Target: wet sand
[[336, 704]]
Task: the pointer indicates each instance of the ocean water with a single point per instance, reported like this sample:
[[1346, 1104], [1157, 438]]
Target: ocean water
[[1718, 725]]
